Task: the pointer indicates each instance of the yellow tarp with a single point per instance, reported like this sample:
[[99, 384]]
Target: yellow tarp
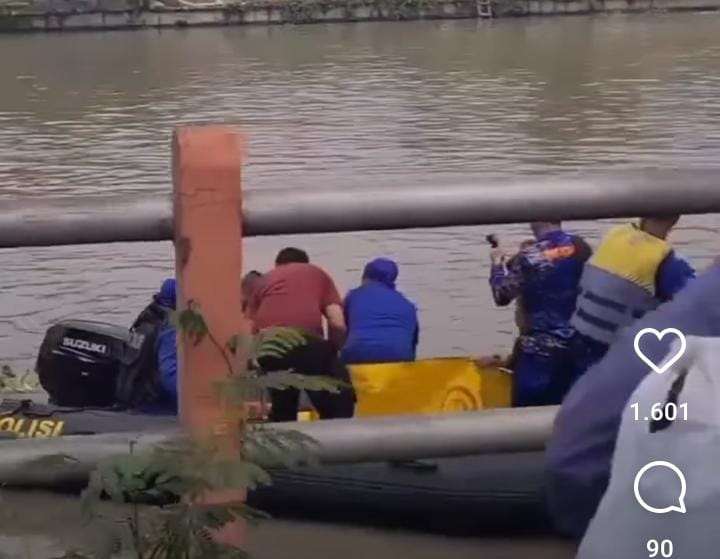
[[429, 386]]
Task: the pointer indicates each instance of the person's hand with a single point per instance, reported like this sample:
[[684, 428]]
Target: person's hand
[[489, 361], [497, 256]]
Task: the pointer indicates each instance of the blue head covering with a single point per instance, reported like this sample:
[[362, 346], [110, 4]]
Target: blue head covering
[[381, 270], [167, 295]]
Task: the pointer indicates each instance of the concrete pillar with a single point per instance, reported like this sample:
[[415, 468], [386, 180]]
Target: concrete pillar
[[207, 162]]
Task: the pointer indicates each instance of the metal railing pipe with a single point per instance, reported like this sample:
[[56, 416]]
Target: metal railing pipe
[[430, 436], [339, 441], [45, 221], [83, 220], [593, 196]]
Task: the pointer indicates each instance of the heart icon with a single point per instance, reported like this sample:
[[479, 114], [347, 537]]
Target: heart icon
[[660, 335]]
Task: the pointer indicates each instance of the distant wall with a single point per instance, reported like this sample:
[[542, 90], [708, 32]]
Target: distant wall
[[57, 15]]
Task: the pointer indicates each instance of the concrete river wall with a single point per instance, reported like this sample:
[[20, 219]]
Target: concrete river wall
[[59, 15]]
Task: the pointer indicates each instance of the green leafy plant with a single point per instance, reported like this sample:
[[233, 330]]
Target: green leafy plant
[[400, 9], [301, 11], [11, 381], [162, 491]]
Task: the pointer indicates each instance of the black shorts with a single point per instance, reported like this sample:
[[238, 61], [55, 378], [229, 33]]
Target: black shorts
[[317, 357]]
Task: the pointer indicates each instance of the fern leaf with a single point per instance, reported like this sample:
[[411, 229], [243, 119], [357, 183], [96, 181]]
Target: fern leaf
[[271, 448], [282, 380]]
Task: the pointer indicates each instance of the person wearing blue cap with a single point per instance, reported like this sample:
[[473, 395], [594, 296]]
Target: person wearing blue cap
[[148, 379], [382, 322]]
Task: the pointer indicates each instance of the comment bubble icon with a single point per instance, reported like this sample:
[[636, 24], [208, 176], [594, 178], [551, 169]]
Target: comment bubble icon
[[678, 505]]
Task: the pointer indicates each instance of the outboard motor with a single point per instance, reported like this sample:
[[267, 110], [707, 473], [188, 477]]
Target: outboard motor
[[79, 362]]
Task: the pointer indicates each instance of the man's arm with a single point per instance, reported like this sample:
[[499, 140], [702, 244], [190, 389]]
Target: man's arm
[[167, 360], [506, 279], [337, 328], [673, 275], [333, 311]]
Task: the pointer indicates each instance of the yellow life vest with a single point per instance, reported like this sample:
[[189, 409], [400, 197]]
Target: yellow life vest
[[631, 254]]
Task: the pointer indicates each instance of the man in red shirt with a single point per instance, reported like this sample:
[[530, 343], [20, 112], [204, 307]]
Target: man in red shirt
[[300, 295]]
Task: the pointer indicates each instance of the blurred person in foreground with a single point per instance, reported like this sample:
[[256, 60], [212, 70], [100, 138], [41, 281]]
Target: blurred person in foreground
[[545, 276], [382, 323], [580, 452], [299, 295]]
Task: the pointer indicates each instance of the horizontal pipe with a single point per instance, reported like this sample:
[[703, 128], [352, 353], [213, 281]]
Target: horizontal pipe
[[517, 200], [340, 441], [430, 436], [45, 221]]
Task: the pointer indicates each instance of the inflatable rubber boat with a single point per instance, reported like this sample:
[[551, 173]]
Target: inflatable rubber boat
[[492, 493], [489, 494]]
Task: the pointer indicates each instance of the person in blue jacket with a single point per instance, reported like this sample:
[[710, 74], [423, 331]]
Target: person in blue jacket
[[148, 381], [166, 347], [382, 323], [545, 276]]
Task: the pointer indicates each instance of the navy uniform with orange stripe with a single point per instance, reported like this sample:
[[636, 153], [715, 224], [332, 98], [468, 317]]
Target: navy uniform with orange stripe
[[545, 276]]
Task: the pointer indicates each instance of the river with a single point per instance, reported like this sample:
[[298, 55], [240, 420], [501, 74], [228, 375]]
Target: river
[[339, 105]]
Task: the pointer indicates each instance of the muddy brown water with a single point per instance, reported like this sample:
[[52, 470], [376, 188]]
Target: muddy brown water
[[339, 105]]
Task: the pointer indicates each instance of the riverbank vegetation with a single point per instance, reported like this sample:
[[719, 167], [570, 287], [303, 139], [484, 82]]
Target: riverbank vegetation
[[45, 15]]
